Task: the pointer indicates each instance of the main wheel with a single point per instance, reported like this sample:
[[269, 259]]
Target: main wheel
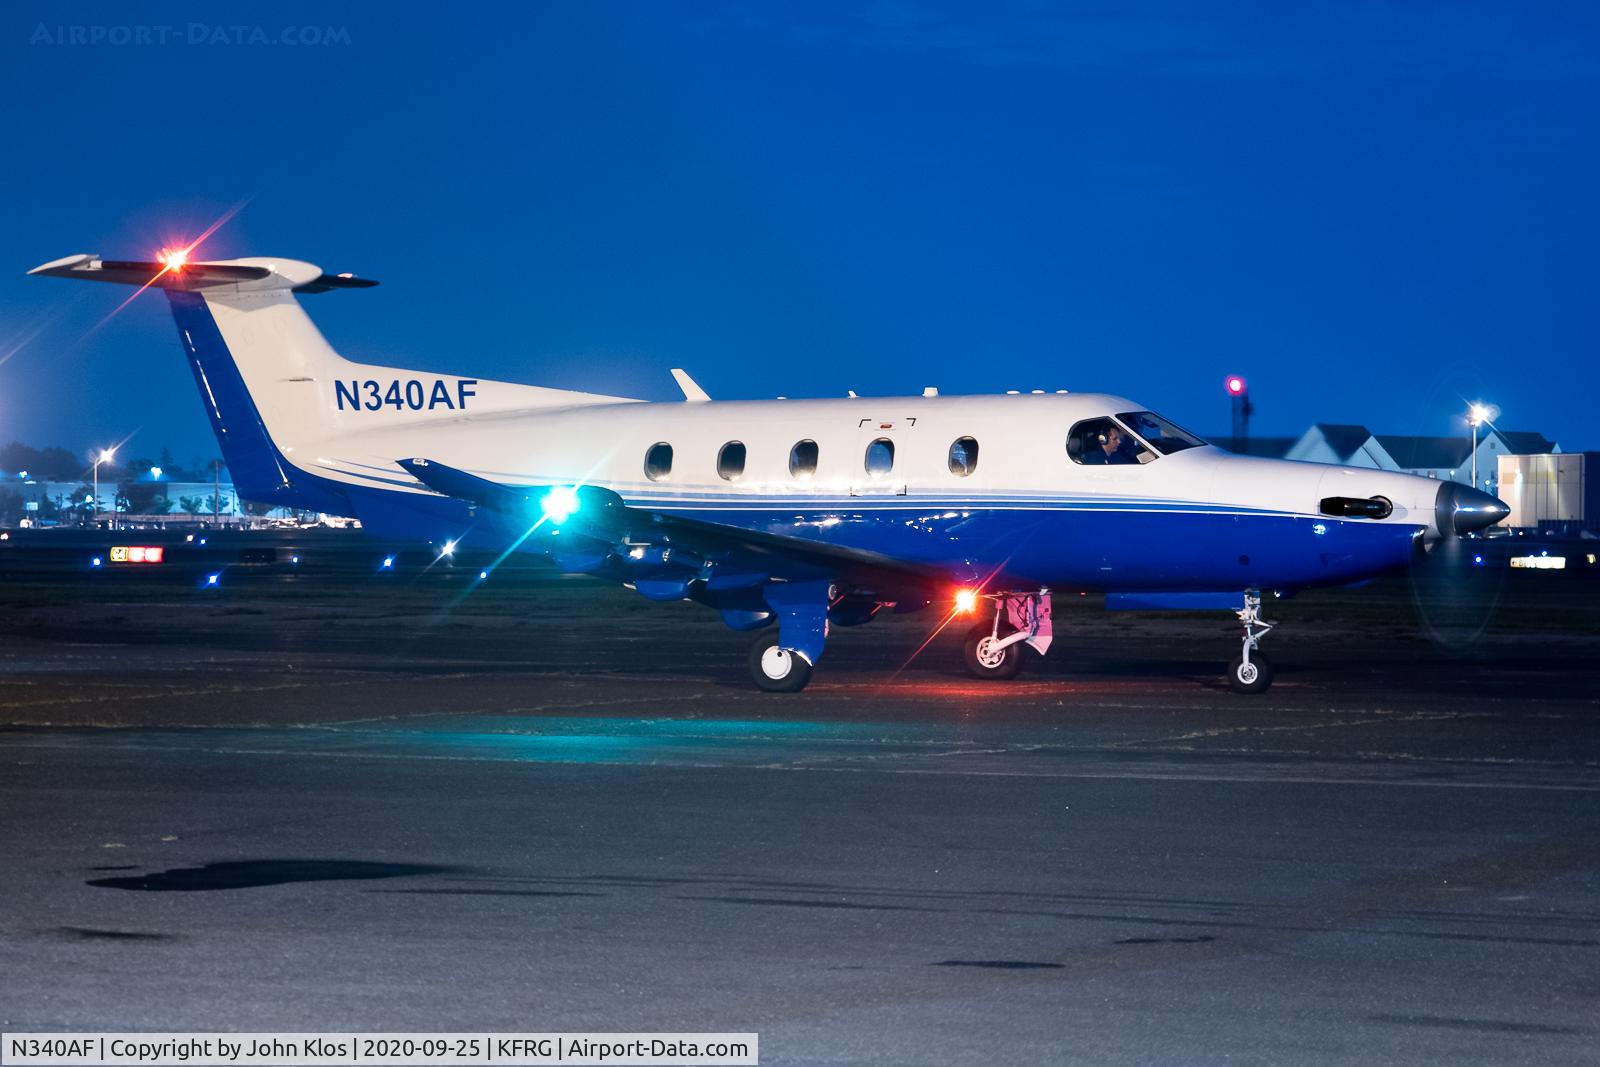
[[984, 660], [1252, 677], [777, 669]]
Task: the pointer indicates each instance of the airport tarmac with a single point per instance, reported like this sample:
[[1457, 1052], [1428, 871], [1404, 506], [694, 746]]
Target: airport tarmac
[[394, 804]]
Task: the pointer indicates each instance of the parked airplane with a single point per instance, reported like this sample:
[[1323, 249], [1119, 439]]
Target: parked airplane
[[803, 513]]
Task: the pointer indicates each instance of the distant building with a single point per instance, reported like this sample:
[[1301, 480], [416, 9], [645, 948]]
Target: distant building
[[1350, 446], [1264, 447], [1444, 458], [1553, 492]]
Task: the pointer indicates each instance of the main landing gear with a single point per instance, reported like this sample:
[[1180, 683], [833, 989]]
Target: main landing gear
[[777, 669], [1251, 671], [781, 662]]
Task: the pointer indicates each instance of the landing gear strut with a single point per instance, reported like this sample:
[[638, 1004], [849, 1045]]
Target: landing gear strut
[[1251, 671], [781, 662], [988, 655], [993, 649]]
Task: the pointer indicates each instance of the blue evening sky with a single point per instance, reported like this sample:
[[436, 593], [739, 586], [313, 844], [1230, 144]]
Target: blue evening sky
[[1374, 211]]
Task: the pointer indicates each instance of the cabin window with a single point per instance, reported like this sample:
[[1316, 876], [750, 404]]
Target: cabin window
[[658, 461], [963, 456], [1101, 442], [803, 459], [730, 461], [880, 457]]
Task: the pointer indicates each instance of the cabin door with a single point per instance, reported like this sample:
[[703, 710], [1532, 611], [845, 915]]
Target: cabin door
[[882, 452]]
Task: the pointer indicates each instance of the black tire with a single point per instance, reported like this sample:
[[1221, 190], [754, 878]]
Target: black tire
[[981, 663], [1255, 680], [794, 677]]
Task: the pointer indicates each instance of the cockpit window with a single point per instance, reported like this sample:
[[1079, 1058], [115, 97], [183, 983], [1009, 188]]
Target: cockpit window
[[1163, 436], [1098, 442]]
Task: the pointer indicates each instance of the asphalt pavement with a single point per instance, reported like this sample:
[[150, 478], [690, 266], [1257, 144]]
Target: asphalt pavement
[[422, 804]]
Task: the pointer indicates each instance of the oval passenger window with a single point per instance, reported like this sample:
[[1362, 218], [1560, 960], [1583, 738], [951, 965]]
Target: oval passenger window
[[658, 461], [803, 459], [880, 456], [963, 456], [730, 461]]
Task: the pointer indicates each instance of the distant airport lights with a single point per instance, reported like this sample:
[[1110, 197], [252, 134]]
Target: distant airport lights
[[138, 554]]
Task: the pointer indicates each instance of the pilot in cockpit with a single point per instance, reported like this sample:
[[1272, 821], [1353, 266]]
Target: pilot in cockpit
[[1111, 446]]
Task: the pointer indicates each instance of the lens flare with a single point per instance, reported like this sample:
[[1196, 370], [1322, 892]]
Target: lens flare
[[559, 504]]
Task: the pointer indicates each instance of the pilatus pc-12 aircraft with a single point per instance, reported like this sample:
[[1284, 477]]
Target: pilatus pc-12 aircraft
[[805, 514]]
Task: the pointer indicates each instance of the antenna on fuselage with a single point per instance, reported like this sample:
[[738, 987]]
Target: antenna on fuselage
[[691, 389]]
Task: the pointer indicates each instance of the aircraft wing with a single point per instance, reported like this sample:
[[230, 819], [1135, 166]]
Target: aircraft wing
[[601, 517]]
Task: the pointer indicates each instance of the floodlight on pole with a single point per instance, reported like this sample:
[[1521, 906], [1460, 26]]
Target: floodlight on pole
[[1478, 414], [104, 457]]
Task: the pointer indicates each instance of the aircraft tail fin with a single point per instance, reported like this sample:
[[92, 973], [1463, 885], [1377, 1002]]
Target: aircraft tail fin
[[273, 386]]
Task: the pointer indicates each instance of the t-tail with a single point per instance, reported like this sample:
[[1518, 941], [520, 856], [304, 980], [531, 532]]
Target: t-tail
[[276, 392]]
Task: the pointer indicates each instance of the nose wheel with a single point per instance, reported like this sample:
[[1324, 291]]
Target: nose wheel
[[1250, 676], [777, 669], [1250, 671]]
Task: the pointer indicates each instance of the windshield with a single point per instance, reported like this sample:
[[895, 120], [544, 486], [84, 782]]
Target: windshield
[[1163, 436], [1099, 442]]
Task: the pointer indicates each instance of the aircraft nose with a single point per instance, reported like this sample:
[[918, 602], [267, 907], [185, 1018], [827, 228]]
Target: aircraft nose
[[1461, 509]]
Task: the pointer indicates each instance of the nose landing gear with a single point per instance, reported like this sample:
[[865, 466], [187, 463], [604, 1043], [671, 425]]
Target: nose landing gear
[[1250, 671]]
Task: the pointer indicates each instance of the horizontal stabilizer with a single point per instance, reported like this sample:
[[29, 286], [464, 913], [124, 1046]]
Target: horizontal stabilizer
[[243, 274]]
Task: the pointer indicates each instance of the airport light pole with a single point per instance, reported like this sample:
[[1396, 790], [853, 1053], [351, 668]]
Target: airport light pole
[[1477, 415], [1239, 391], [104, 457]]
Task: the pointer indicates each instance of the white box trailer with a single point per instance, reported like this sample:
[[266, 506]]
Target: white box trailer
[[1551, 491]]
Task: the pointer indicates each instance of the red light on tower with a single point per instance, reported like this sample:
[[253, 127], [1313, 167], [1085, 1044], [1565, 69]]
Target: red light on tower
[[1239, 397]]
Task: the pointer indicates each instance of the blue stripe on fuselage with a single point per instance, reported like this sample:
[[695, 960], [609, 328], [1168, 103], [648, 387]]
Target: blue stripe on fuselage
[[260, 472]]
